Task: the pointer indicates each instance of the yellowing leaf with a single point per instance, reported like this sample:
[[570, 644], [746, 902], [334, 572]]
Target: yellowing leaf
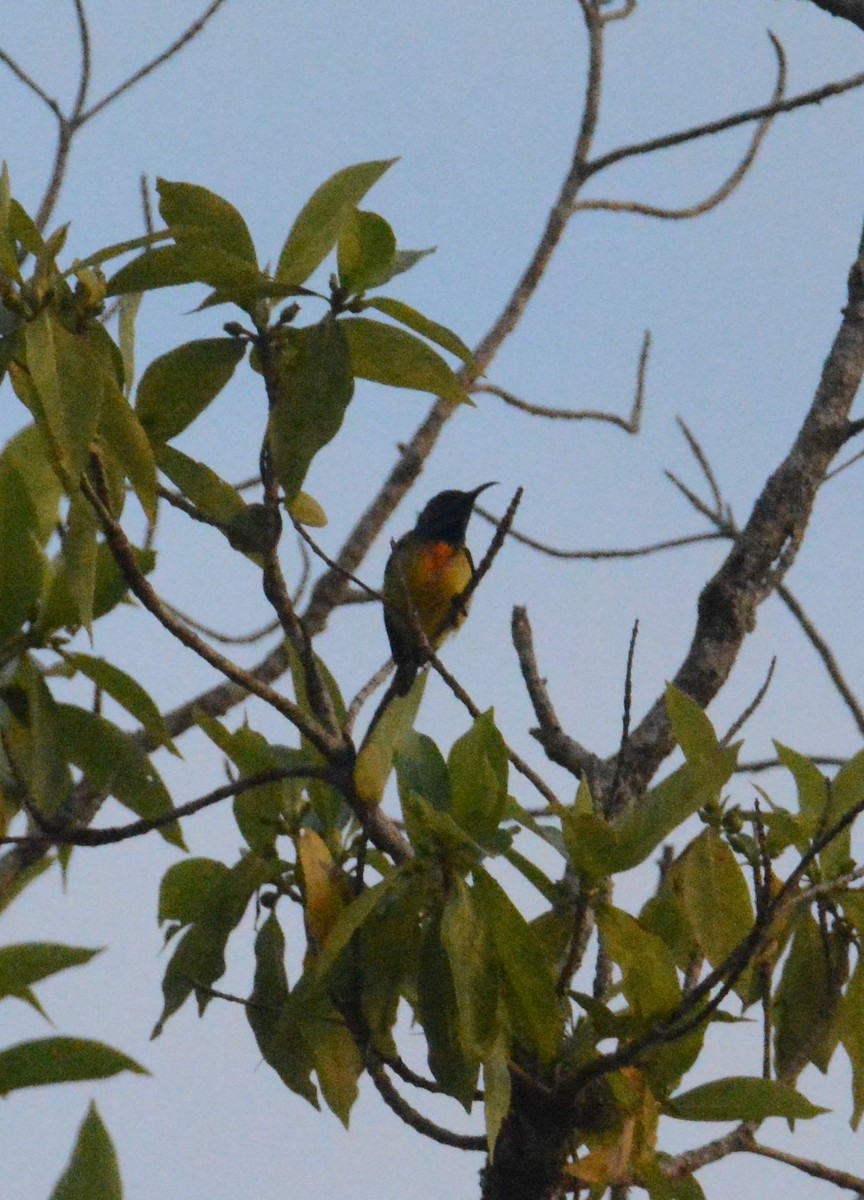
[[325, 888]]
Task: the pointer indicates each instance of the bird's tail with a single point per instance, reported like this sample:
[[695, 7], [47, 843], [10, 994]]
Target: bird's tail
[[404, 678]]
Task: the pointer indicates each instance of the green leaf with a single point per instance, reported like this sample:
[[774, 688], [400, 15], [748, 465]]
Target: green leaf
[[58, 610], [273, 1017], [375, 760], [403, 260], [649, 980], [530, 990], [313, 388], [598, 848], [8, 255], [337, 1058], [366, 248], [127, 692], [807, 998], [197, 215], [60, 1060], [190, 888], [172, 266], [852, 1037], [258, 812], [68, 380], [199, 958], [128, 311], [216, 498], [93, 1169], [79, 557], [19, 544], [812, 785], [23, 965], [474, 969], [393, 356], [306, 509], [111, 760], [121, 430], [439, 334], [27, 452], [452, 1066], [716, 900], [179, 385], [317, 228], [845, 793], [740, 1098], [420, 768], [33, 741], [496, 1088], [477, 767], [691, 728]]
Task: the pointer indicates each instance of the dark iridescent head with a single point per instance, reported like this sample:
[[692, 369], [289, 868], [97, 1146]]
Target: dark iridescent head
[[445, 518]]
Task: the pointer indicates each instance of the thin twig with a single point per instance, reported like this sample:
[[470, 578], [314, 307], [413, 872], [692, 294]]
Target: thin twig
[[191, 32], [842, 1179], [724, 191], [748, 712], [709, 128], [559, 746], [518, 762], [416, 1120], [704, 465], [225, 639], [62, 835], [823, 650], [598, 555]]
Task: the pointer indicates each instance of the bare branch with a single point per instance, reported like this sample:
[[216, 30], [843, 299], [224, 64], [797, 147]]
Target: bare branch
[[176, 46], [705, 466], [748, 712], [84, 76], [842, 1179], [803, 100], [419, 1123], [721, 193], [31, 83], [559, 746], [690, 1161], [823, 650], [225, 639], [57, 834], [771, 764], [766, 547], [690, 539]]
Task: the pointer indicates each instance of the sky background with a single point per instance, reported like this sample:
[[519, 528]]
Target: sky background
[[481, 102]]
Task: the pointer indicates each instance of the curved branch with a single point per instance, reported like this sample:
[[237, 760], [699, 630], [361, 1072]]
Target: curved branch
[[695, 132], [725, 190], [419, 1123], [630, 424]]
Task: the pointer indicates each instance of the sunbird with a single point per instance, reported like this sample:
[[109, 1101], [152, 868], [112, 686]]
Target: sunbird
[[428, 569]]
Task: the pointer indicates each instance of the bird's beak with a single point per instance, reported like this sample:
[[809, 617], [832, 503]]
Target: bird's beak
[[482, 488]]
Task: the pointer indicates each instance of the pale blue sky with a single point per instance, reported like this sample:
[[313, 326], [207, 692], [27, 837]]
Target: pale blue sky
[[480, 101]]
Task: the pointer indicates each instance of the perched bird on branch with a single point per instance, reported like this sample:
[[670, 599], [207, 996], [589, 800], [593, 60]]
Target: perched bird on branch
[[428, 570]]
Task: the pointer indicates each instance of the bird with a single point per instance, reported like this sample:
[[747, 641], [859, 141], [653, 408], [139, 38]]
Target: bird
[[428, 569]]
